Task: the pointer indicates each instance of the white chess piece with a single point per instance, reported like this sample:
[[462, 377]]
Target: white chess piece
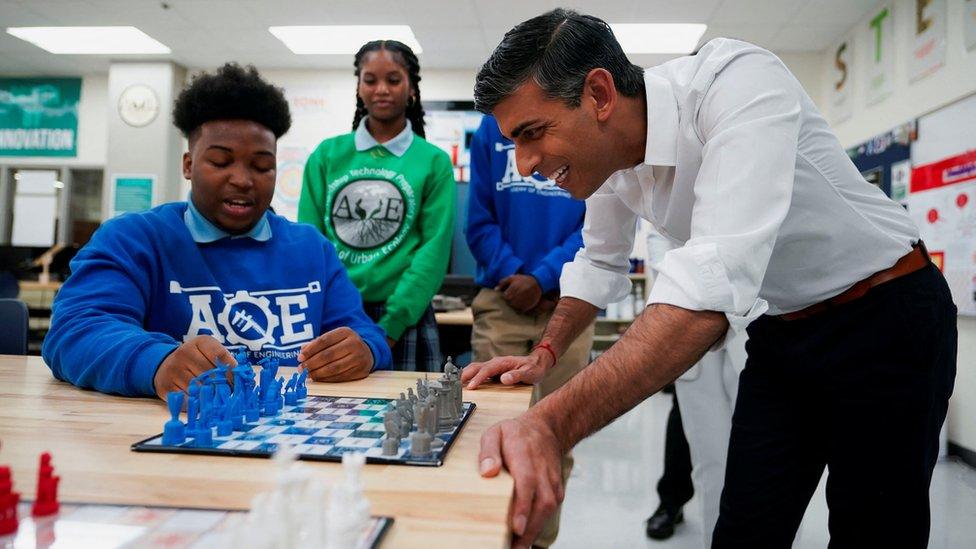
[[348, 514]]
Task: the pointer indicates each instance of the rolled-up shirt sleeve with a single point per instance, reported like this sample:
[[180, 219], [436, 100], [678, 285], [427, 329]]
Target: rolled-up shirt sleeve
[[748, 120], [598, 273]]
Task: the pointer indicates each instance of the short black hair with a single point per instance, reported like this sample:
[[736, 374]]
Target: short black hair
[[557, 50], [232, 92]]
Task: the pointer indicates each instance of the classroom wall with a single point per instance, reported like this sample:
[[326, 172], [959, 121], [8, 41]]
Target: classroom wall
[[908, 101]]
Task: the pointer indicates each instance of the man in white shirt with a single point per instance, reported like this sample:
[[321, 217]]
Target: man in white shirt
[[852, 332]]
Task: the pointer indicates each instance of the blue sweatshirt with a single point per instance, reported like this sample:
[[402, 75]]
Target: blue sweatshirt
[[143, 285], [515, 224]]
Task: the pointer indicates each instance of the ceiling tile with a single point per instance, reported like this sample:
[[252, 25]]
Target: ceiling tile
[[756, 12], [667, 11], [760, 35], [806, 37], [834, 12]]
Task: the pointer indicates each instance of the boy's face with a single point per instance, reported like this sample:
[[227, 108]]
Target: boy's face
[[231, 166]]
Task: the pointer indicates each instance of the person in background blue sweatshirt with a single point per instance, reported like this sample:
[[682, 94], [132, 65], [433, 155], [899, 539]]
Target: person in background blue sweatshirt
[[158, 297], [520, 231]]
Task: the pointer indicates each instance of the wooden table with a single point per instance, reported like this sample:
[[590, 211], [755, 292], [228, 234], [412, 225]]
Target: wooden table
[[89, 434], [462, 317]]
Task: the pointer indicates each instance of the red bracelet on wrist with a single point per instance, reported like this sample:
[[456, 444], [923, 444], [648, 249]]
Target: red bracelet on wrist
[[545, 345]]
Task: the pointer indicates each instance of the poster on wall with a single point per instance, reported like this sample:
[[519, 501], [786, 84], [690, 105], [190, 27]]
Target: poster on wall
[[878, 157], [450, 126], [881, 61], [39, 116], [969, 24], [288, 185], [131, 193], [841, 76], [942, 202], [929, 39]]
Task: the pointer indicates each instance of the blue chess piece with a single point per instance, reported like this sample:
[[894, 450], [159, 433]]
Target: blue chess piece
[[301, 389], [174, 432], [192, 408], [291, 391]]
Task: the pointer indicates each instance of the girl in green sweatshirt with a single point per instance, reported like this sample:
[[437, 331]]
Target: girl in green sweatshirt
[[385, 197]]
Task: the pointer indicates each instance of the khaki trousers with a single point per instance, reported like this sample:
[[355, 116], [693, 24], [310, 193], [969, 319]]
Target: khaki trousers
[[499, 330]]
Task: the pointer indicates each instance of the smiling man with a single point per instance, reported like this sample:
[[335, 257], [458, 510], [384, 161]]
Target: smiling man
[[158, 297], [852, 332]]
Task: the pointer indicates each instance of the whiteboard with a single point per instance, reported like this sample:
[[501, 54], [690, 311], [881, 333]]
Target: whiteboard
[[35, 208], [34, 217]]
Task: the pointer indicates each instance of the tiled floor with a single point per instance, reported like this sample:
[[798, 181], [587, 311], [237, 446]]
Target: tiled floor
[[612, 492]]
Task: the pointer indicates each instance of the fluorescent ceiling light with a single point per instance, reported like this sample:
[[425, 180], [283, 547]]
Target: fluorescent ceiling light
[[341, 39], [659, 37], [90, 40]]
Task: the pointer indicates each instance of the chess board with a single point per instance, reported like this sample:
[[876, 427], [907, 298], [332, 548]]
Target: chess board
[[110, 526], [320, 428]]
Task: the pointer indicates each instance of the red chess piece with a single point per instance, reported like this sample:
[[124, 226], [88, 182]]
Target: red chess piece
[[46, 501], [8, 503]]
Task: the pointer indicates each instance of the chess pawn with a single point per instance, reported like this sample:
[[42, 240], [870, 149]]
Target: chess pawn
[[46, 502], [174, 432], [391, 422], [420, 444]]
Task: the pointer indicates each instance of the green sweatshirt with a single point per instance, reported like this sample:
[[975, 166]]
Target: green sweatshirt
[[391, 219]]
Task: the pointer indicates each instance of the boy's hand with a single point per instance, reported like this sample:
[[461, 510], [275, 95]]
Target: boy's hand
[[339, 355], [189, 360], [521, 292]]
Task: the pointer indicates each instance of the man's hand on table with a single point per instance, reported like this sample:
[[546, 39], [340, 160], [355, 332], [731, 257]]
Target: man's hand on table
[[512, 369], [529, 450], [189, 360], [521, 292], [337, 355]]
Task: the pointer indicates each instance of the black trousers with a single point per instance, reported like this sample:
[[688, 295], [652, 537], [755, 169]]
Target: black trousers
[[674, 487], [862, 390]]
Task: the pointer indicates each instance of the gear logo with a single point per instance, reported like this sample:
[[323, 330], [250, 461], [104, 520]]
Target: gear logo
[[367, 213], [248, 320]]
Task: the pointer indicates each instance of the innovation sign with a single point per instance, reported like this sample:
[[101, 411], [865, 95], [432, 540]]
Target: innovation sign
[[39, 116]]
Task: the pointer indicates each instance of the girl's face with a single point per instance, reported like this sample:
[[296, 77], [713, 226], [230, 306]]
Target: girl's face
[[384, 86]]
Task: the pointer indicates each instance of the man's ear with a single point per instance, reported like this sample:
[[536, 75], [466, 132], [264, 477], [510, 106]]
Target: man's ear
[[600, 93], [187, 165]]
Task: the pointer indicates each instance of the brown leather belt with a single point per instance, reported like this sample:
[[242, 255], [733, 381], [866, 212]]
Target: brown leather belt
[[914, 260]]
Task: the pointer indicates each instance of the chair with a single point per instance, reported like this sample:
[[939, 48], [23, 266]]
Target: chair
[[13, 327], [9, 287]]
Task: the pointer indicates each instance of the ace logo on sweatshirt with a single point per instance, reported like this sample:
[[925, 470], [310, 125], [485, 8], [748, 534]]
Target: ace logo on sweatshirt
[[369, 212], [268, 321]]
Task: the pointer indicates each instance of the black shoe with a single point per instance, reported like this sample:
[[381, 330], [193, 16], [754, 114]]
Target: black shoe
[[662, 522]]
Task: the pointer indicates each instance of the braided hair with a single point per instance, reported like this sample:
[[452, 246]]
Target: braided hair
[[402, 54]]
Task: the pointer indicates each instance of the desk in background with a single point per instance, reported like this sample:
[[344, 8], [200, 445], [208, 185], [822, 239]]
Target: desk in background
[[454, 329], [89, 435]]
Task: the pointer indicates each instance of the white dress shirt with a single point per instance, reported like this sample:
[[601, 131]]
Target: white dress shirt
[[743, 174]]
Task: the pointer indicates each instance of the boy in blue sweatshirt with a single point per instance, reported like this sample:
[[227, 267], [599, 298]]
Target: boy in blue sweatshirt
[[158, 297], [521, 230]]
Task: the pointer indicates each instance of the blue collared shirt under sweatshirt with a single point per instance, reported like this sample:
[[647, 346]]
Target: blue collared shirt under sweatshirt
[[149, 281], [515, 224]]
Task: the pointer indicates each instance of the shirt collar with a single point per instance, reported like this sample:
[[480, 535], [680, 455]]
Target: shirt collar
[[203, 231], [662, 121], [398, 145]]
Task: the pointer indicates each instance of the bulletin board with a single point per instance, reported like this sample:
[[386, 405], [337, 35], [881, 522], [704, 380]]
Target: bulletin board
[[884, 160], [942, 195]]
